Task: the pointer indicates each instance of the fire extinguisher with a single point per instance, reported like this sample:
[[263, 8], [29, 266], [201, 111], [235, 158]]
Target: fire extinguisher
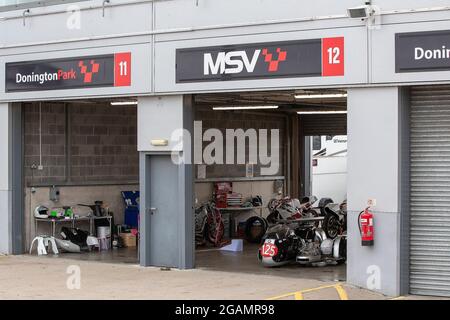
[[365, 224]]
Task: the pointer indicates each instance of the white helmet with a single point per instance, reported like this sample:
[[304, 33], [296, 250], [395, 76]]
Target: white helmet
[[41, 212]]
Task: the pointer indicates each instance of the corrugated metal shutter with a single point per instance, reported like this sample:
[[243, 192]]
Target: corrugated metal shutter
[[322, 125], [430, 191]]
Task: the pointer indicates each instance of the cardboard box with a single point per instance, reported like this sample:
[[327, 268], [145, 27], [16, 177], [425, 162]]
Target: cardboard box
[[128, 240]]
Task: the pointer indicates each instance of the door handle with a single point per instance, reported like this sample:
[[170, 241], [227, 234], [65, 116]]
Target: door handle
[[152, 210]]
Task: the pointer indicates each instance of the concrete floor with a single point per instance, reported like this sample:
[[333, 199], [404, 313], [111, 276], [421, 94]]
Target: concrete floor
[[32, 277], [212, 259], [118, 256], [246, 262]]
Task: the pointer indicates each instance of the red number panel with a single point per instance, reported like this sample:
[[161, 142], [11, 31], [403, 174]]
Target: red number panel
[[333, 57], [122, 69]]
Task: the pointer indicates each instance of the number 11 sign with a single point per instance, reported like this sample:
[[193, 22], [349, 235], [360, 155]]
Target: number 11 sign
[[122, 69], [333, 57]]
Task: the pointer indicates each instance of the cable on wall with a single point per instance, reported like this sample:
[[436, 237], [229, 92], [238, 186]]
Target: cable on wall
[[40, 136]]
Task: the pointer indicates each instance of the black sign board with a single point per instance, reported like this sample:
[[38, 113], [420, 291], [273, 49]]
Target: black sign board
[[69, 73], [303, 58], [422, 51]]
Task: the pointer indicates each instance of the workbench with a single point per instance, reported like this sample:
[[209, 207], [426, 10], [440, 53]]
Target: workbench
[[73, 222]]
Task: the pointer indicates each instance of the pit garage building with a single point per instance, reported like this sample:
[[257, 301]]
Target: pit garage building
[[177, 57]]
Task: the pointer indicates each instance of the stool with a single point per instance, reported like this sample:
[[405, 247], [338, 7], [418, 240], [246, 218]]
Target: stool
[[93, 242], [103, 243]]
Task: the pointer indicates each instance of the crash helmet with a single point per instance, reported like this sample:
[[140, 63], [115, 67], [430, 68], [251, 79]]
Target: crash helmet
[[257, 201], [41, 212]]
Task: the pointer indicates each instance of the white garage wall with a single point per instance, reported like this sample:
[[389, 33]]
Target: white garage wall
[[5, 190]]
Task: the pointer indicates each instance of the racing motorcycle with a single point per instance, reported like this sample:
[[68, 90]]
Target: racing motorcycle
[[281, 243], [291, 209], [301, 241], [335, 221]]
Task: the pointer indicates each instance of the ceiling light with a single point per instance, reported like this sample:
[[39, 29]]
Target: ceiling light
[[124, 103], [321, 112], [321, 96], [245, 108]]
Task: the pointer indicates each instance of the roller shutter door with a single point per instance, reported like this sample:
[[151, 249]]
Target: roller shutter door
[[430, 191]]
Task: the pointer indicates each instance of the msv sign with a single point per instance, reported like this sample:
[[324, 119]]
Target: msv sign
[[304, 58], [236, 62]]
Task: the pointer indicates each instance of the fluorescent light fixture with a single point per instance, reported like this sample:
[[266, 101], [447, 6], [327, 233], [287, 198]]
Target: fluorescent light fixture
[[321, 112], [160, 142], [321, 96], [245, 108], [124, 103]]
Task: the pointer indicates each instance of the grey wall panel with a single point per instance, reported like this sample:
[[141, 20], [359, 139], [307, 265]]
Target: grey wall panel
[[373, 173], [184, 13], [383, 53], [5, 222], [182, 23], [41, 26], [16, 203], [373, 143], [5, 181], [412, 4], [160, 118], [187, 187], [375, 268], [404, 185]]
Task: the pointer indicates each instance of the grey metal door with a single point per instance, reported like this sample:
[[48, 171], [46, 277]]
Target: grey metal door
[[430, 191], [159, 221]]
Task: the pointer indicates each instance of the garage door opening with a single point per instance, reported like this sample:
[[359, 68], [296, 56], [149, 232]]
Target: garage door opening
[[266, 165], [81, 178], [329, 167]]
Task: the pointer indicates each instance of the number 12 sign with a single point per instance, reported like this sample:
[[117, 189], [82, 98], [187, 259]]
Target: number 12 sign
[[333, 57], [122, 69]]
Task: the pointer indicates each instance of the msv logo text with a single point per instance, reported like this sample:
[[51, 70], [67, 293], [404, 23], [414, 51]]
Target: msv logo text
[[235, 62]]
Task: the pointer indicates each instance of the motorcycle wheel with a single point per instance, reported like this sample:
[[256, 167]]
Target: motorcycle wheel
[[273, 217], [270, 263], [215, 232], [255, 228], [340, 249], [331, 225]]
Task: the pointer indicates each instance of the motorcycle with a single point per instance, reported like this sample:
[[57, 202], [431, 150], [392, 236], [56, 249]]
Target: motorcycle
[[335, 221], [300, 240], [324, 252], [279, 245], [291, 209], [209, 225]]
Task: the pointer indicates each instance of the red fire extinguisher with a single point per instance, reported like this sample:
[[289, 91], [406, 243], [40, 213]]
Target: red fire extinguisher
[[365, 223]]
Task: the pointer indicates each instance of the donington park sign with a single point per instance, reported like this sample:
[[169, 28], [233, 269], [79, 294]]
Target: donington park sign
[[111, 70]]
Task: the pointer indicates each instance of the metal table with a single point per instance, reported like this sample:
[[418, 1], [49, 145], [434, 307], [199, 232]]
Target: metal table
[[73, 222], [242, 209], [234, 210], [301, 220]]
